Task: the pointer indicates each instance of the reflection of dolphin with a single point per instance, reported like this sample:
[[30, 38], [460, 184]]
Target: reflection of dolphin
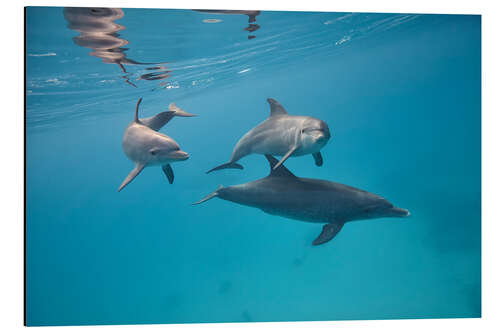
[[310, 200], [283, 135], [250, 13], [99, 32], [252, 27], [145, 146]]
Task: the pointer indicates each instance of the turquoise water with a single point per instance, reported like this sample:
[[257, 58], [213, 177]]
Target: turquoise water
[[401, 94]]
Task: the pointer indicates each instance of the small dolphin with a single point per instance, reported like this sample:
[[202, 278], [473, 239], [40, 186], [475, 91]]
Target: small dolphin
[[145, 146], [282, 135], [309, 200]]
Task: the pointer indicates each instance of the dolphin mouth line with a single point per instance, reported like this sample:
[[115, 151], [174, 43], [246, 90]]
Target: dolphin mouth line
[[179, 156]]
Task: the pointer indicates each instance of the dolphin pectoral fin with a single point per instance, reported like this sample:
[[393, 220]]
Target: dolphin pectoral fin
[[137, 170], [210, 196], [284, 158], [228, 165], [167, 169], [318, 159], [329, 231]]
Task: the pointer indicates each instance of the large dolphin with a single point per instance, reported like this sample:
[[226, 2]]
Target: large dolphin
[[145, 146], [283, 135], [309, 200]]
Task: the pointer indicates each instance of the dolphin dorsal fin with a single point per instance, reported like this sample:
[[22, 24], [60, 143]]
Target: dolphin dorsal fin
[[280, 171], [276, 108], [136, 119]]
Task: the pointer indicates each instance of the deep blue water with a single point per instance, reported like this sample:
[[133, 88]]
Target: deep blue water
[[400, 93]]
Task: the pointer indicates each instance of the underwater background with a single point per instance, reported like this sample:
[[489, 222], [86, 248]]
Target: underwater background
[[401, 94]]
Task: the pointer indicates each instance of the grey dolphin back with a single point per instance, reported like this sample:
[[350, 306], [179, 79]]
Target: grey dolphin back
[[329, 231], [276, 108], [162, 118]]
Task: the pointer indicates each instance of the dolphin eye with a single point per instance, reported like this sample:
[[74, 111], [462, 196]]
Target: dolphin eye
[[153, 152]]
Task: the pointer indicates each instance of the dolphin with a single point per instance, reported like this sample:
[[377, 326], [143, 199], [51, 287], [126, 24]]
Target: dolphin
[[283, 135], [145, 146], [309, 200]]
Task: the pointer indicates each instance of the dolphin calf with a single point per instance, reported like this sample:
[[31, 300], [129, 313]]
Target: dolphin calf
[[145, 146], [283, 135], [309, 200]]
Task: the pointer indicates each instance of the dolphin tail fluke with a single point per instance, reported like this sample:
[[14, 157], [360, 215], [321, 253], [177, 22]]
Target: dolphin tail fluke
[[162, 118], [210, 196], [399, 212], [329, 231], [178, 112], [228, 165]]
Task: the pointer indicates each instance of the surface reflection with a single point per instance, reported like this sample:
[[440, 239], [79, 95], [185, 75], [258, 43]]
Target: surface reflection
[[99, 32], [160, 72], [252, 14]]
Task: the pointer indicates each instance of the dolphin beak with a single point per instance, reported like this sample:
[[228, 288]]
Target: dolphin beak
[[325, 135], [179, 155], [399, 212]]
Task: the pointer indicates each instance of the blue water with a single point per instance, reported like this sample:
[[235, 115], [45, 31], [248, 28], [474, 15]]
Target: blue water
[[401, 95]]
